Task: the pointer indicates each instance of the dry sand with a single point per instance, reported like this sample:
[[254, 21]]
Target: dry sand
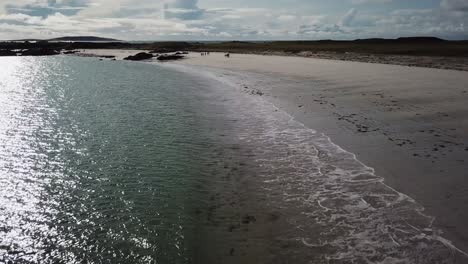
[[119, 54], [409, 123]]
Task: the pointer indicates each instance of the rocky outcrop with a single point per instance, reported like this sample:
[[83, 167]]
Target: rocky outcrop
[[169, 57], [70, 52], [140, 56], [39, 52], [7, 53]]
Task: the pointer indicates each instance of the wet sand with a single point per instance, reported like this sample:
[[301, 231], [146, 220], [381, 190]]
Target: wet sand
[[410, 124]]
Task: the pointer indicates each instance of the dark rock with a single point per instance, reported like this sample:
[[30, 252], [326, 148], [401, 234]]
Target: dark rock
[[248, 219], [70, 52], [7, 53], [107, 56], [140, 56], [272, 217], [170, 57], [5, 247], [232, 228], [40, 52]]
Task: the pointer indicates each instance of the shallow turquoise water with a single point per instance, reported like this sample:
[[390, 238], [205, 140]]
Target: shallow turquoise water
[[101, 162]]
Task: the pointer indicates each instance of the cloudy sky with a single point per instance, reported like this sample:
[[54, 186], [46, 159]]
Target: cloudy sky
[[233, 19]]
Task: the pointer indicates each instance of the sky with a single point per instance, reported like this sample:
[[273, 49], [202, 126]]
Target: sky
[[233, 20]]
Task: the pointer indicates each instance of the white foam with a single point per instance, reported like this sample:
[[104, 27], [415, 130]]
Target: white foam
[[360, 216]]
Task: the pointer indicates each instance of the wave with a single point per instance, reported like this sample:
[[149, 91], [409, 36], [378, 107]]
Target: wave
[[341, 210]]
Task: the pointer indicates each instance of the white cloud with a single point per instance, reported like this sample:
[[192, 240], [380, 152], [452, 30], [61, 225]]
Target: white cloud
[[187, 19], [455, 5], [182, 9], [360, 2], [348, 18], [287, 18]]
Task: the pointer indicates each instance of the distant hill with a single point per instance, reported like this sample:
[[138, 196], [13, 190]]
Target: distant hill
[[72, 39], [421, 39], [402, 40], [85, 39]]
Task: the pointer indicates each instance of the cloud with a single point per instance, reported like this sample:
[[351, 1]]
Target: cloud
[[455, 5], [360, 2], [19, 19], [182, 9], [348, 18], [286, 18], [319, 29], [188, 19], [44, 8], [430, 22]]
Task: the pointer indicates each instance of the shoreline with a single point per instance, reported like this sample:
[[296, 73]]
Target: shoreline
[[432, 62], [385, 121], [410, 51], [232, 79]]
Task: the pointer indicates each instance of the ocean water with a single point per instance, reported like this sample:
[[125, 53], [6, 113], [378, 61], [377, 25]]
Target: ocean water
[[101, 163], [122, 162]]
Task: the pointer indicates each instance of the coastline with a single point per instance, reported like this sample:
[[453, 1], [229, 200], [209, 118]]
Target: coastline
[[408, 129], [434, 62], [292, 184], [258, 85]]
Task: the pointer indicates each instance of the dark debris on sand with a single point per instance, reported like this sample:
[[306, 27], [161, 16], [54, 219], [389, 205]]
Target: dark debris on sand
[[247, 219]]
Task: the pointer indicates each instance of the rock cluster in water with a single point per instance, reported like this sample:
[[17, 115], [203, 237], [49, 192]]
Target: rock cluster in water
[[7, 53], [140, 56], [49, 52], [30, 52], [160, 57], [167, 57]]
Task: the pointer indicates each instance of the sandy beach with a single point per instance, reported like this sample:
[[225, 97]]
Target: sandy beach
[[408, 123], [227, 132], [118, 54]]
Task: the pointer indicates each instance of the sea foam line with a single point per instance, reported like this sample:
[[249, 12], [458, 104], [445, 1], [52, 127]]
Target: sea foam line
[[327, 144]]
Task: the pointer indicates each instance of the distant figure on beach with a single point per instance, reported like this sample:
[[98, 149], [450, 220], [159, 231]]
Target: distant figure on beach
[[227, 55]]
